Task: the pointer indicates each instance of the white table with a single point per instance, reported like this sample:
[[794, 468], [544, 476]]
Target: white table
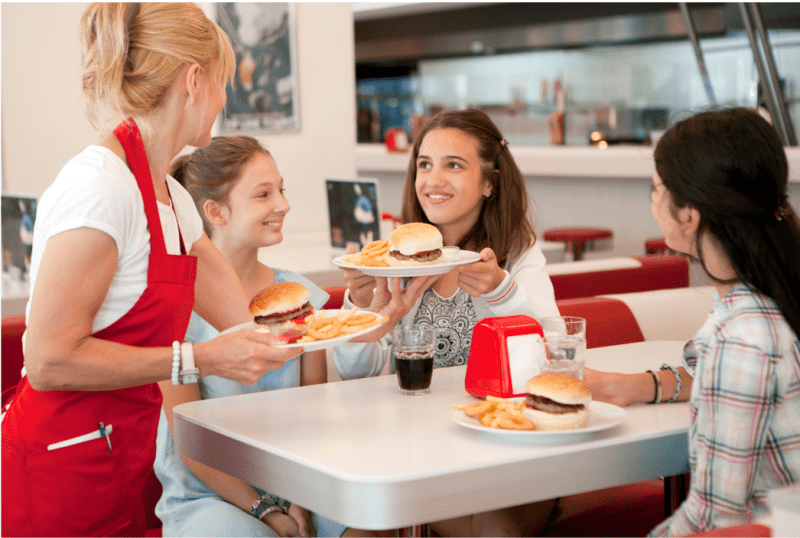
[[362, 454]]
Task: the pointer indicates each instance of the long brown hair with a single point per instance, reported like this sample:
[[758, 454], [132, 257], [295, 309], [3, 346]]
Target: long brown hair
[[210, 172], [504, 224], [731, 166]]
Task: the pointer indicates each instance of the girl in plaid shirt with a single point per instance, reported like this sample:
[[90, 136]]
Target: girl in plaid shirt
[[719, 194]]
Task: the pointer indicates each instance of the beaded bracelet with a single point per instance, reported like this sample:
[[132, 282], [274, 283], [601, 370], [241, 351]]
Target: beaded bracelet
[[264, 505], [657, 394], [176, 362], [678, 378]]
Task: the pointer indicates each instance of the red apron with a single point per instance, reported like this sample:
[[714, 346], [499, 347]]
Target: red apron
[[95, 487]]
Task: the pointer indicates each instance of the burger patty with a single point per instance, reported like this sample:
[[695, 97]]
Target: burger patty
[[286, 316], [427, 256], [547, 405]]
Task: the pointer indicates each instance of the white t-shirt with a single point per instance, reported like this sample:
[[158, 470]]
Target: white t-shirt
[[95, 189]]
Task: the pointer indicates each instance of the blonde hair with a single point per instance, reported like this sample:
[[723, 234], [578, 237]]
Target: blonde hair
[[133, 52]]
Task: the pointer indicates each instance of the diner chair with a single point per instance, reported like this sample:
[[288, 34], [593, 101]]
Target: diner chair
[[609, 322], [12, 358], [589, 278], [657, 245], [336, 299], [578, 240], [12, 362]]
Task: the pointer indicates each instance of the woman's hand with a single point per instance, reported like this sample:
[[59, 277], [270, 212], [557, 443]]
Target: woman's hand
[[241, 356], [481, 277]]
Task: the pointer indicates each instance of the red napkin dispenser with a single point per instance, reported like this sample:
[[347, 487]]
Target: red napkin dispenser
[[503, 356]]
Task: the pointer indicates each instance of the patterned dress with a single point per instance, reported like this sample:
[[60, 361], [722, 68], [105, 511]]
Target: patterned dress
[[454, 318]]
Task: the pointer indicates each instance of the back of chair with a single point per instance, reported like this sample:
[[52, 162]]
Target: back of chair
[[337, 297], [12, 358], [609, 322], [643, 273]]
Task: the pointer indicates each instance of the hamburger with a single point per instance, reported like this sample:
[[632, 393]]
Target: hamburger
[[557, 402], [282, 309], [415, 243]]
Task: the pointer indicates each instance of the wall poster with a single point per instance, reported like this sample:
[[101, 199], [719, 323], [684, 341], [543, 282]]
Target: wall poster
[[264, 97]]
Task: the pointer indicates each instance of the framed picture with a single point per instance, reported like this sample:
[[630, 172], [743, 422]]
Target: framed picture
[[353, 210], [19, 214], [264, 97]]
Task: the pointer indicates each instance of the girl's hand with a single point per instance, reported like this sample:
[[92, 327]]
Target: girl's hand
[[616, 389], [243, 356], [300, 515], [481, 277], [395, 304], [361, 287], [283, 524]]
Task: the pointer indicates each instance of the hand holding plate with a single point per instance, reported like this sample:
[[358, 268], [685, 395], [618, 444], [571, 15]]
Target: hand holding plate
[[481, 277]]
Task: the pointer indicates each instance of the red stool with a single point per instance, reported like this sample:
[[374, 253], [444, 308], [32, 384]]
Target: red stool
[[577, 240], [657, 245]]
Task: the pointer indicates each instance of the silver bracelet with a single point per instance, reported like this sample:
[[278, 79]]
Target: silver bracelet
[[176, 362], [677, 378], [657, 394]]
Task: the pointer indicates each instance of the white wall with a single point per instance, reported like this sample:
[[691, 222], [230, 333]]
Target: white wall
[[43, 124]]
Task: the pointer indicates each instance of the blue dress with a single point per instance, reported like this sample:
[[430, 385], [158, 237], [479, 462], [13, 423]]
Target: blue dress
[[187, 506]]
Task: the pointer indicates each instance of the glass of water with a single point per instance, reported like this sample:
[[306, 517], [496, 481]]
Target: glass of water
[[564, 354]]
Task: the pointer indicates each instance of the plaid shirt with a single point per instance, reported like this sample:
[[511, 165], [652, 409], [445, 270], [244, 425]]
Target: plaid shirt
[[744, 436]]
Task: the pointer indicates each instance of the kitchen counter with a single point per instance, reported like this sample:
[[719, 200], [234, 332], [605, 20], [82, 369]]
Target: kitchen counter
[[621, 162]]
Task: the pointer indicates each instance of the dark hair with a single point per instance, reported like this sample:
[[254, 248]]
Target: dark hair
[[209, 173], [504, 224], [731, 166]]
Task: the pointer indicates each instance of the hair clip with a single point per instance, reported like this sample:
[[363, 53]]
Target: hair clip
[[503, 143], [778, 215]]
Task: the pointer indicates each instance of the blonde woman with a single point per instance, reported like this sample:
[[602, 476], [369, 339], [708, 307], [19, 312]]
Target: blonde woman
[[119, 262]]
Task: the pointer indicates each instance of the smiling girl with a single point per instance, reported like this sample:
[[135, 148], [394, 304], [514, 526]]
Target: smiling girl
[[239, 193], [463, 179]]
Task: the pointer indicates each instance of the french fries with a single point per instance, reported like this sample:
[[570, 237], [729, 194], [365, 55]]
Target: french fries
[[372, 255], [322, 327], [498, 413]]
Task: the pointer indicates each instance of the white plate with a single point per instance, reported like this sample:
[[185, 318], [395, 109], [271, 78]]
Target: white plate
[[316, 345], [453, 258], [602, 416]]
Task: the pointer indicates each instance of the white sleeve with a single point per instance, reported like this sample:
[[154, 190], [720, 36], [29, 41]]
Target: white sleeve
[[526, 289], [88, 200]]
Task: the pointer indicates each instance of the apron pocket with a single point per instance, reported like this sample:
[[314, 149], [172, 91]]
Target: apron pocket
[[79, 489]]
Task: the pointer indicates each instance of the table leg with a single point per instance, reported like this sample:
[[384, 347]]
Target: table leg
[[674, 493], [414, 531]]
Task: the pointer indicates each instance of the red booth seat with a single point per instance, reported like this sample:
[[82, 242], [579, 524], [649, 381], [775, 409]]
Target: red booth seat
[[618, 275]]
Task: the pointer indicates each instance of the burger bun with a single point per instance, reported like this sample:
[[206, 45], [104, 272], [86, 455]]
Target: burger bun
[[279, 298], [557, 421], [415, 237], [560, 390]]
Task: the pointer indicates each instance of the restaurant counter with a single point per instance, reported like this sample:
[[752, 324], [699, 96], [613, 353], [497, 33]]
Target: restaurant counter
[[621, 162]]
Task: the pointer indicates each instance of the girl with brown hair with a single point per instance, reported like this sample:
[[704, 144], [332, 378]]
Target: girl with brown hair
[[462, 179], [239, 193]]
